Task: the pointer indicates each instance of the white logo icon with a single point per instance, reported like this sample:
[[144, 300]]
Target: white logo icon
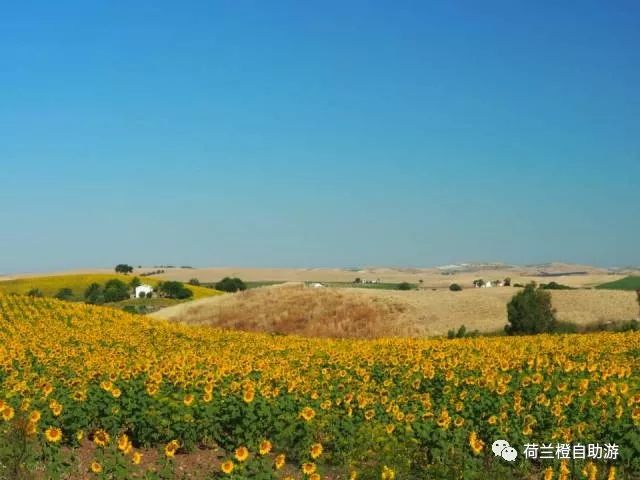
[[506, 451]]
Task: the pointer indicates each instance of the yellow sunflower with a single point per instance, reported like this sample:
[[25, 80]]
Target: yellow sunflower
[[308, 468], [96, 467], [316, 450], [53, 434], [265, 447], [227, 466], [241, 454], [279, 461]]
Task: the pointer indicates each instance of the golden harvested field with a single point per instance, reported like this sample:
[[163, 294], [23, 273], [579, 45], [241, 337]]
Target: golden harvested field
[[91, 392], [368, 313]]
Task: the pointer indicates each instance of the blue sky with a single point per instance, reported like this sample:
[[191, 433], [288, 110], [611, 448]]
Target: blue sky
[[330, 134]]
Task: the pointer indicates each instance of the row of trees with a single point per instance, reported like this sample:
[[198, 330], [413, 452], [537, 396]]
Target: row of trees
[[115, 290]]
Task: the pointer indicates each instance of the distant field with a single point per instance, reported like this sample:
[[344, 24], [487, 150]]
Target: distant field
[[627, 283], [50, 285]]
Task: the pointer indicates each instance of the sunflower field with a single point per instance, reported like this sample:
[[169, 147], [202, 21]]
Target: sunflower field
[[93, 392]]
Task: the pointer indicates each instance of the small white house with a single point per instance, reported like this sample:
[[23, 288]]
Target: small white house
[[143, 290], [317, 285]]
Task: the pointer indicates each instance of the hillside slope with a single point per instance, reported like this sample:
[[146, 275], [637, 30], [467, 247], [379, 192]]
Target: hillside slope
[[50, 285], [293, 308]]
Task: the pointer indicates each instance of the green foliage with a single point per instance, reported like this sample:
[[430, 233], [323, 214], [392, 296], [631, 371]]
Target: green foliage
[[94, 294], [35, 292], [454, 287], [507, 282], [195, 282], [123, 268], [135, 282], [174, 289], [405, 286], [629, 326], [64, 294], [115, 290], [530, 312], [228, 284], [462, 333]]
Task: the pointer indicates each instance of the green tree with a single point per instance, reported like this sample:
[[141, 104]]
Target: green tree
[[228, 284], [530, 312], [454, 287], [115, 290], [135, 282], [195, 282], [405, 286], [35, 292], [507, 282], [124, 268], [173, 289], [94, 294], [64, 294]]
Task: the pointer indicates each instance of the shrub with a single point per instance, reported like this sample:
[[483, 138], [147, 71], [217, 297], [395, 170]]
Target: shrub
[[195, 282], [530, 312], [64, 294], [454, 287], [93, 294], [507, 282], [150, 294], [35, 292], [115, 290], [629, 326], [554, 286], [228, 284], [405, 286], [135, 282], [565, 327], [462, 333], [174, 289]]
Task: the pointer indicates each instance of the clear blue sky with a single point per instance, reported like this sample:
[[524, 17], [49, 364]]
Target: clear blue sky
[[342, 133]]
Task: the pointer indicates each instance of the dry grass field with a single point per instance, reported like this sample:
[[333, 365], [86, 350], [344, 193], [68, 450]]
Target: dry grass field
[[293, 308], [346, 312]]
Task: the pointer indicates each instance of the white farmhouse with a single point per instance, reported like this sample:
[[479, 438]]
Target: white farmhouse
[[143, 290], [317, 285]]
